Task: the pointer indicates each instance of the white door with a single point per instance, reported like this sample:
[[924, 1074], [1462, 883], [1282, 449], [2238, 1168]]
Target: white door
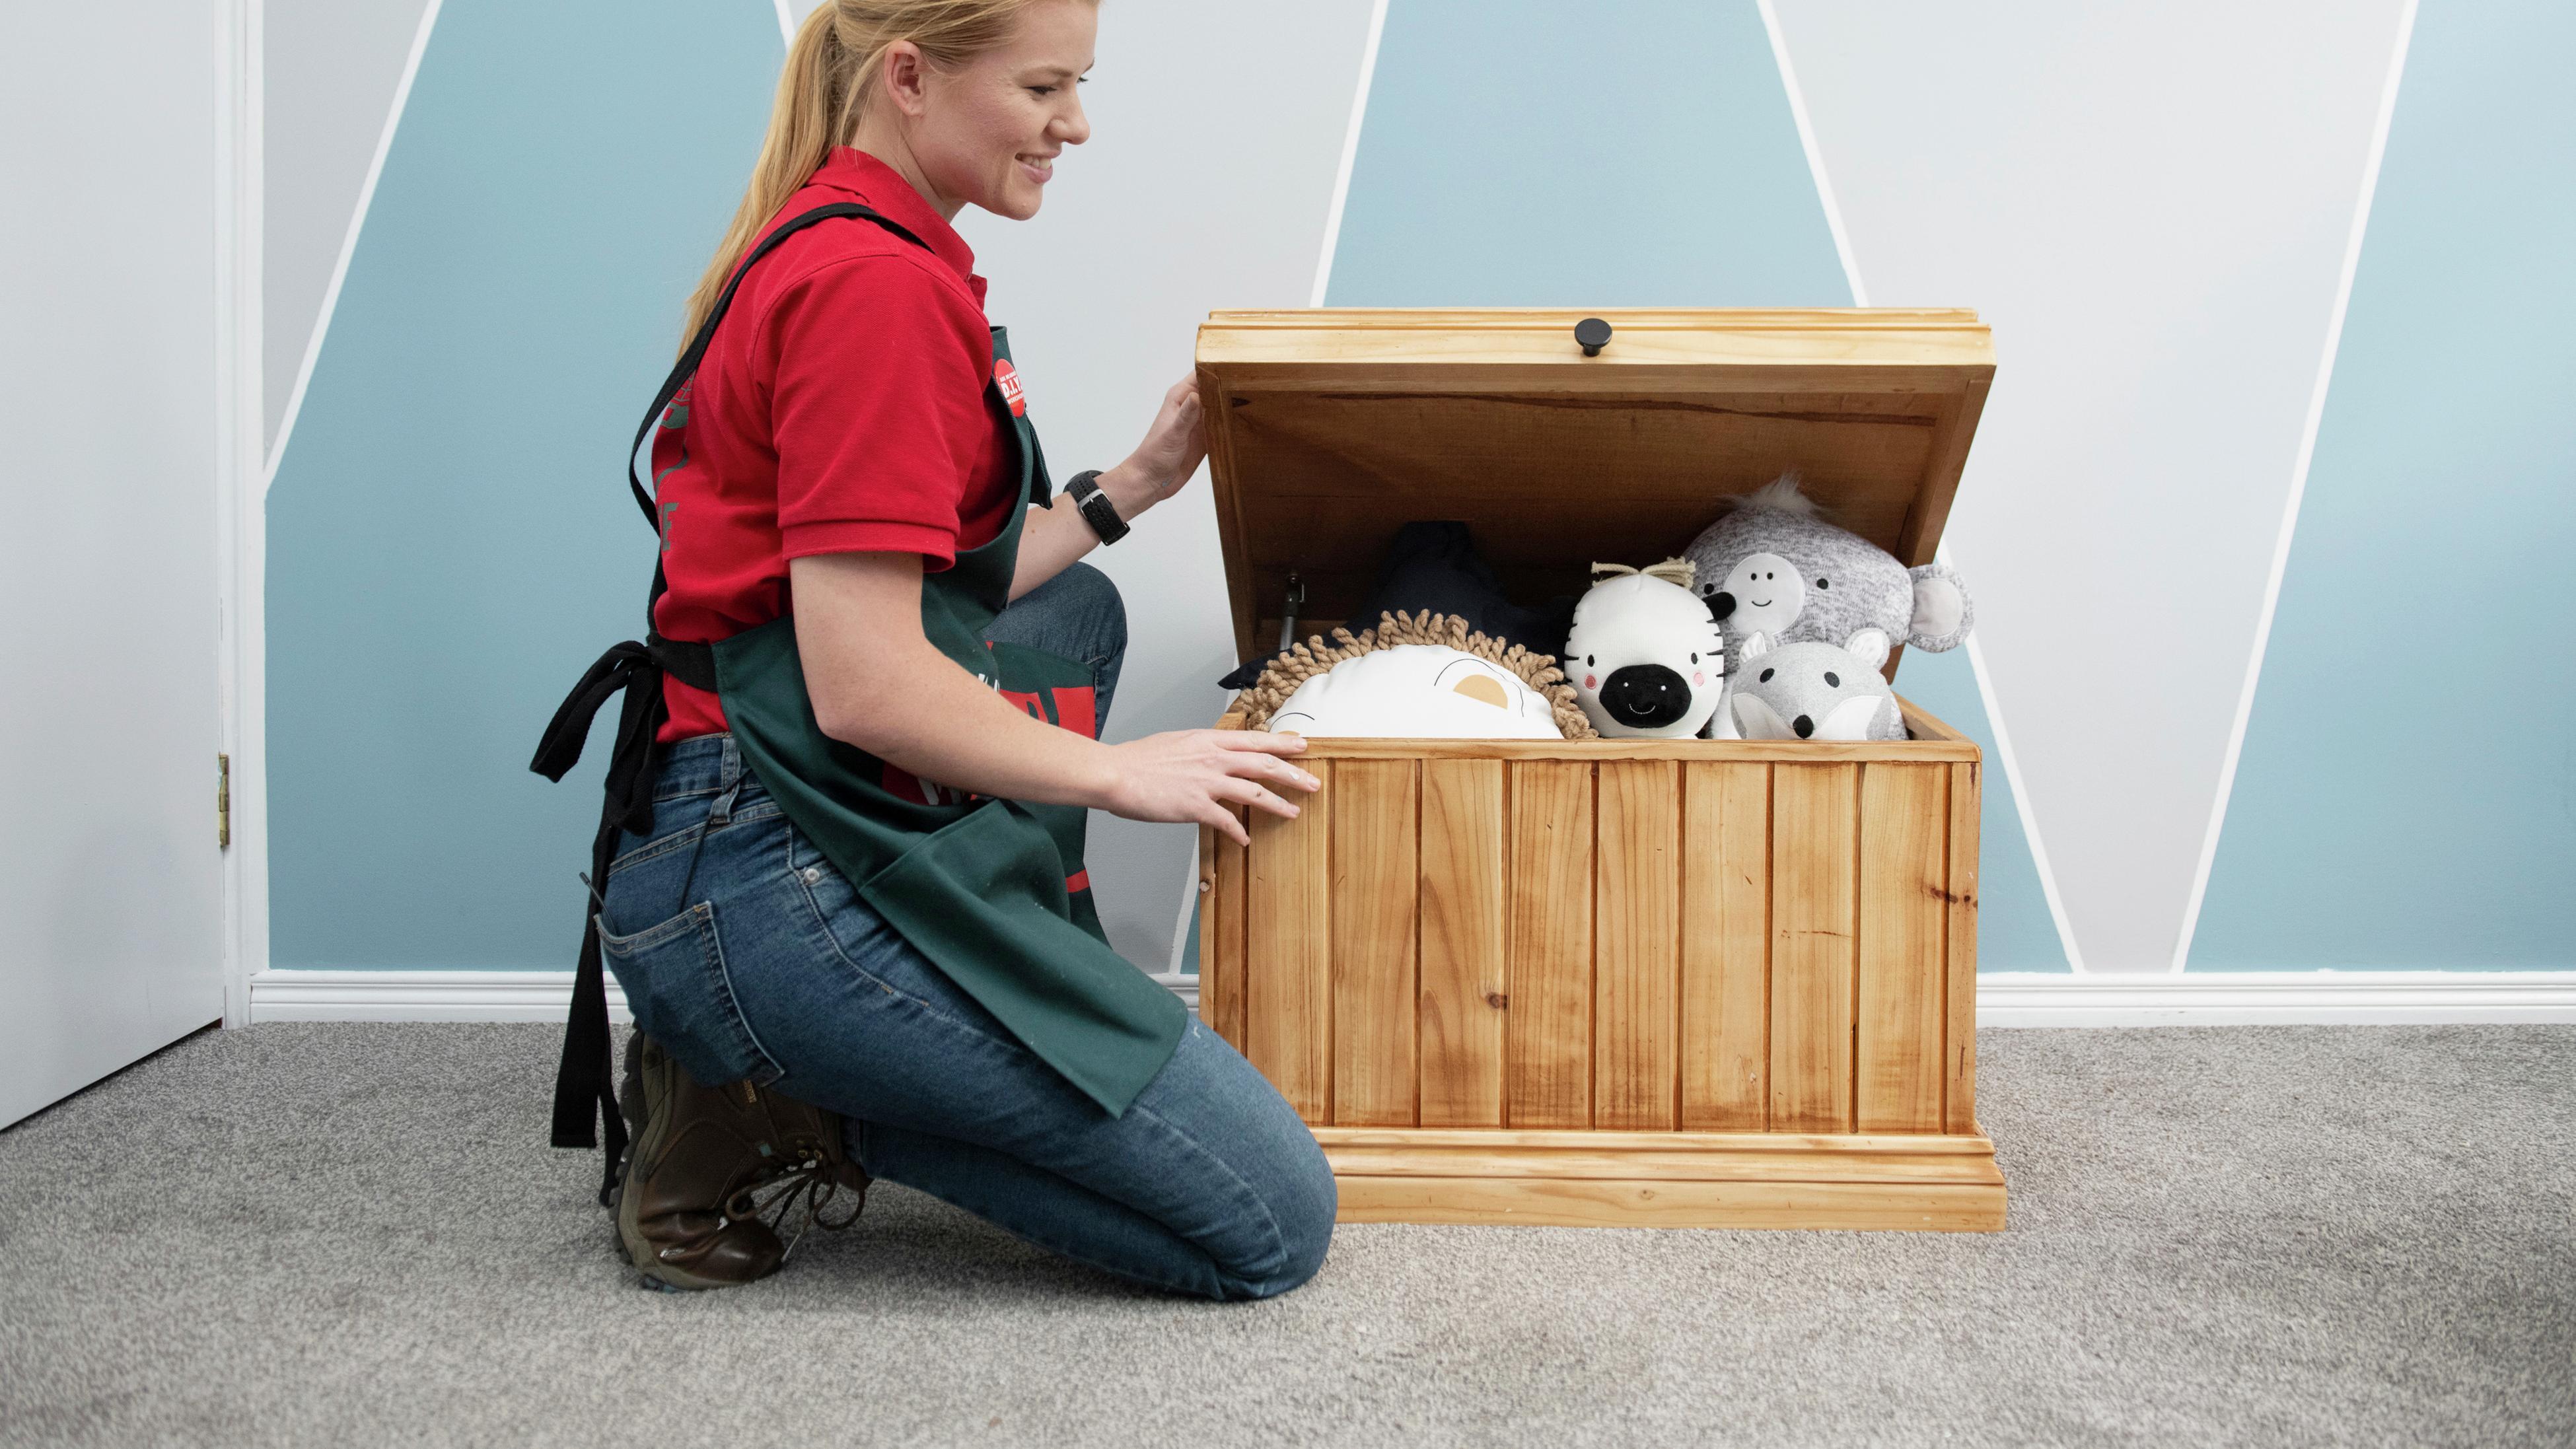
[[110, 877]]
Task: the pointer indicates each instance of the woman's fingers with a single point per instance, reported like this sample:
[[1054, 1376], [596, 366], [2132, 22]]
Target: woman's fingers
[[1261, 740], [1223, 821], [1268, 767], [1244, 792]]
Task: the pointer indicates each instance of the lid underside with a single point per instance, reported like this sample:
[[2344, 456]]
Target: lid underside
[[1329, 429]]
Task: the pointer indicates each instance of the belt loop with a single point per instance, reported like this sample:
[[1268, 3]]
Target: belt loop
[[728, 785]]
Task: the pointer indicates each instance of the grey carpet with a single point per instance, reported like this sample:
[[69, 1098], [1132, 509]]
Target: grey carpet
[[353, 1235]]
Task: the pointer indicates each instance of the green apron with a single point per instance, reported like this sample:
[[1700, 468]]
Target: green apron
[[992, 891]]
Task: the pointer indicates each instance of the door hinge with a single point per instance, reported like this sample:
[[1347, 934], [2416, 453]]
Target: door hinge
[[223, 802]]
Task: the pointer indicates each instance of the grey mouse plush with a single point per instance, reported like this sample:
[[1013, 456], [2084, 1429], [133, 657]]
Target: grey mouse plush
[[1774, 566], [1811, 691]]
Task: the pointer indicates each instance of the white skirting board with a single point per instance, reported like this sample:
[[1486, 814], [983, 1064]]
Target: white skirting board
[[2204, 998]]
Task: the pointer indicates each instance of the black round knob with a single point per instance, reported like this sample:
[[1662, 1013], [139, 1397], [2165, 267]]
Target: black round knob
[[1592, 333]]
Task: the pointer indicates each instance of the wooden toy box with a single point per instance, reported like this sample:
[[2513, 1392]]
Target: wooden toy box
[[1678, 983]]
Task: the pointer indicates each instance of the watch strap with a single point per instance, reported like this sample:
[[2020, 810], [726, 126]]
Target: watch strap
[[1096, 507]]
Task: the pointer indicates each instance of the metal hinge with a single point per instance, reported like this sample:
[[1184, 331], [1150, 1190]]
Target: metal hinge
[[223, 802]]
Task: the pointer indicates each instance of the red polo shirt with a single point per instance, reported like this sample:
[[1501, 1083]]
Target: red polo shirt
[[842, 408]]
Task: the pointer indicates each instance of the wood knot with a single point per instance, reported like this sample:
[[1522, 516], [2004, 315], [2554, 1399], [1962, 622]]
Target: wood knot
[[1497, 1000]]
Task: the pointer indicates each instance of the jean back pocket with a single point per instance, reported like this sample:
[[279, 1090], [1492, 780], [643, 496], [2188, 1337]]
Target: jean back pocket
[[675, 982]]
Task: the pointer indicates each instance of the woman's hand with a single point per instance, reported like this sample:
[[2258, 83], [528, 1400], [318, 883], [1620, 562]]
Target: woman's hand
[[1173, 448], [1193, 775]]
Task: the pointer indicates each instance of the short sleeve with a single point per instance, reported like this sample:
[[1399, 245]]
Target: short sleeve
[[877, 408]]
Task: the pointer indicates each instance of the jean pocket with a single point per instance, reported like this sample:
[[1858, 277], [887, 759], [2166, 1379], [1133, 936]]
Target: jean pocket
[[677, 986]]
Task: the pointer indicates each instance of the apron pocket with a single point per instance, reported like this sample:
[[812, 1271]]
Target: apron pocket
[[676, 984]]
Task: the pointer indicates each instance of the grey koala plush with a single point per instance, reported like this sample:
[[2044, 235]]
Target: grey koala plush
[[1774, 566], [1811, 691]]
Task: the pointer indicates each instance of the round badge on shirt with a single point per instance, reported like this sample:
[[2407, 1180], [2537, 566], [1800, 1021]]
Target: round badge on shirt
[[1007, 378]]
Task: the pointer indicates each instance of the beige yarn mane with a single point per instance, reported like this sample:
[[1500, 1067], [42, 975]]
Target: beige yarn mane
[[1301, 662]]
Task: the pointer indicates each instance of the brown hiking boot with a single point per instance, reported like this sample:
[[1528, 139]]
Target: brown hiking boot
[[688, 1204]]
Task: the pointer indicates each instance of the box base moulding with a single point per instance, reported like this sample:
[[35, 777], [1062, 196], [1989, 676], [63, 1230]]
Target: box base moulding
[[1909, 1183]]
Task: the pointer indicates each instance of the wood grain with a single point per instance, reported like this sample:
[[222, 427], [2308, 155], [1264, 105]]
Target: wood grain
[[1288, 1005], [1959, 1034], [1548, 1071], [1904, 895], [1583, 1203], [1814, 841], [1374, 880], [1636, 988], [1463, 1006], [1726, 946]]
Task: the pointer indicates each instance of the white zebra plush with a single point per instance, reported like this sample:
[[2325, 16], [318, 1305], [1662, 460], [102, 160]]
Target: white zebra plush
[[1645, 655]]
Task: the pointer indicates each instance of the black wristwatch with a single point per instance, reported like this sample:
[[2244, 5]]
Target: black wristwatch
[[1095, 506]]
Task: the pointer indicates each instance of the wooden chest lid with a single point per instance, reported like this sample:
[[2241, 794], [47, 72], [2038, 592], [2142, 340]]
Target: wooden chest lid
[[1331, 427]]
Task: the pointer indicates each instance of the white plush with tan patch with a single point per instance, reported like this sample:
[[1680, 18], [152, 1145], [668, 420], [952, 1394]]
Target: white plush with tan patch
[[1417, 691]]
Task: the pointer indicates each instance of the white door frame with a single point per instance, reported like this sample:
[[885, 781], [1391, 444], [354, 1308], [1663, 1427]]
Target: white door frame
[[241, 534]]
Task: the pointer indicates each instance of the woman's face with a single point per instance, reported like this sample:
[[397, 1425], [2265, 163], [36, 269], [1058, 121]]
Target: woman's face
[[988, 132]]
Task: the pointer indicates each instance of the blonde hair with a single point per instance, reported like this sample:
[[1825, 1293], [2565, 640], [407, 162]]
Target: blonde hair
[[832, 70]]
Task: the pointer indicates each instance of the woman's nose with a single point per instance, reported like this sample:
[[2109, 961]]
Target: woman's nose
[[1073, 128]]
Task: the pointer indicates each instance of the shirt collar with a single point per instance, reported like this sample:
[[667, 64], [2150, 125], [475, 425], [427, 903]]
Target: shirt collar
[[869, 180]]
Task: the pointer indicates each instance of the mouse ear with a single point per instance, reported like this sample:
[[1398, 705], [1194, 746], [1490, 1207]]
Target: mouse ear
[[1756, 644], [1868, 645], [1943, 613]]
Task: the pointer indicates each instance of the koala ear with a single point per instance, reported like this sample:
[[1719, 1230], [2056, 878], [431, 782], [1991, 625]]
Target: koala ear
[[1868, 645], [1943, 613], [1756, 644]]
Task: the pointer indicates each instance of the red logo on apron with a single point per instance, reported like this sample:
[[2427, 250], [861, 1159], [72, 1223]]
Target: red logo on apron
[[1007, 378]]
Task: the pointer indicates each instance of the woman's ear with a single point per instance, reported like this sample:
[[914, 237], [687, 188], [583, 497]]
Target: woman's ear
[[902, 76]]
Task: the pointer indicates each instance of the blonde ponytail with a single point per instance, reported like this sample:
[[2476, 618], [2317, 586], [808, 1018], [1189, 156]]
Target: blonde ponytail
[[832, 69]]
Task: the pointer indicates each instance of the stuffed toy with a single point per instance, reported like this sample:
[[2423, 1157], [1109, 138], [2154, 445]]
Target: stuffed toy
[[1812, 691], [1647, 660], [1774, 566], [1418, 676]]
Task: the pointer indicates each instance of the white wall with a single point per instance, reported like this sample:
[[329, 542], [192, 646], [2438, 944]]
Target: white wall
[[110, 880], [333, 68]]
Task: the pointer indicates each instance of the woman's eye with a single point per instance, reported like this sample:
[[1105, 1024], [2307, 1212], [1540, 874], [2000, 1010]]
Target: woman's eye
[[1041, 90]]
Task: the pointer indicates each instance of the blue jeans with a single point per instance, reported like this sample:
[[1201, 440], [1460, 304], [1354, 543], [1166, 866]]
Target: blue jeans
[[747, 955]]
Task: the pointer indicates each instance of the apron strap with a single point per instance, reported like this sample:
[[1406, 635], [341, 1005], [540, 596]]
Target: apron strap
[[584, 1092]]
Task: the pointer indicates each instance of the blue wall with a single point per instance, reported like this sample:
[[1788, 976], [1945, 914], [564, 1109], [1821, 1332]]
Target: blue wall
[[2407, 795], [450, 541]]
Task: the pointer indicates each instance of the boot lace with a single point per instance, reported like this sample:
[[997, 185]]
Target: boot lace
[[806, 1189]]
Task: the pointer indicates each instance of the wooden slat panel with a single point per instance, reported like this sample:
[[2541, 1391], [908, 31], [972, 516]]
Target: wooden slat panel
[[1462, 972], [1814, 841], [1960, 1036], [1373, 917], [1726, 947], [1548, 1078], [1904, 875], [1636, 1068], [1288, 1004]]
